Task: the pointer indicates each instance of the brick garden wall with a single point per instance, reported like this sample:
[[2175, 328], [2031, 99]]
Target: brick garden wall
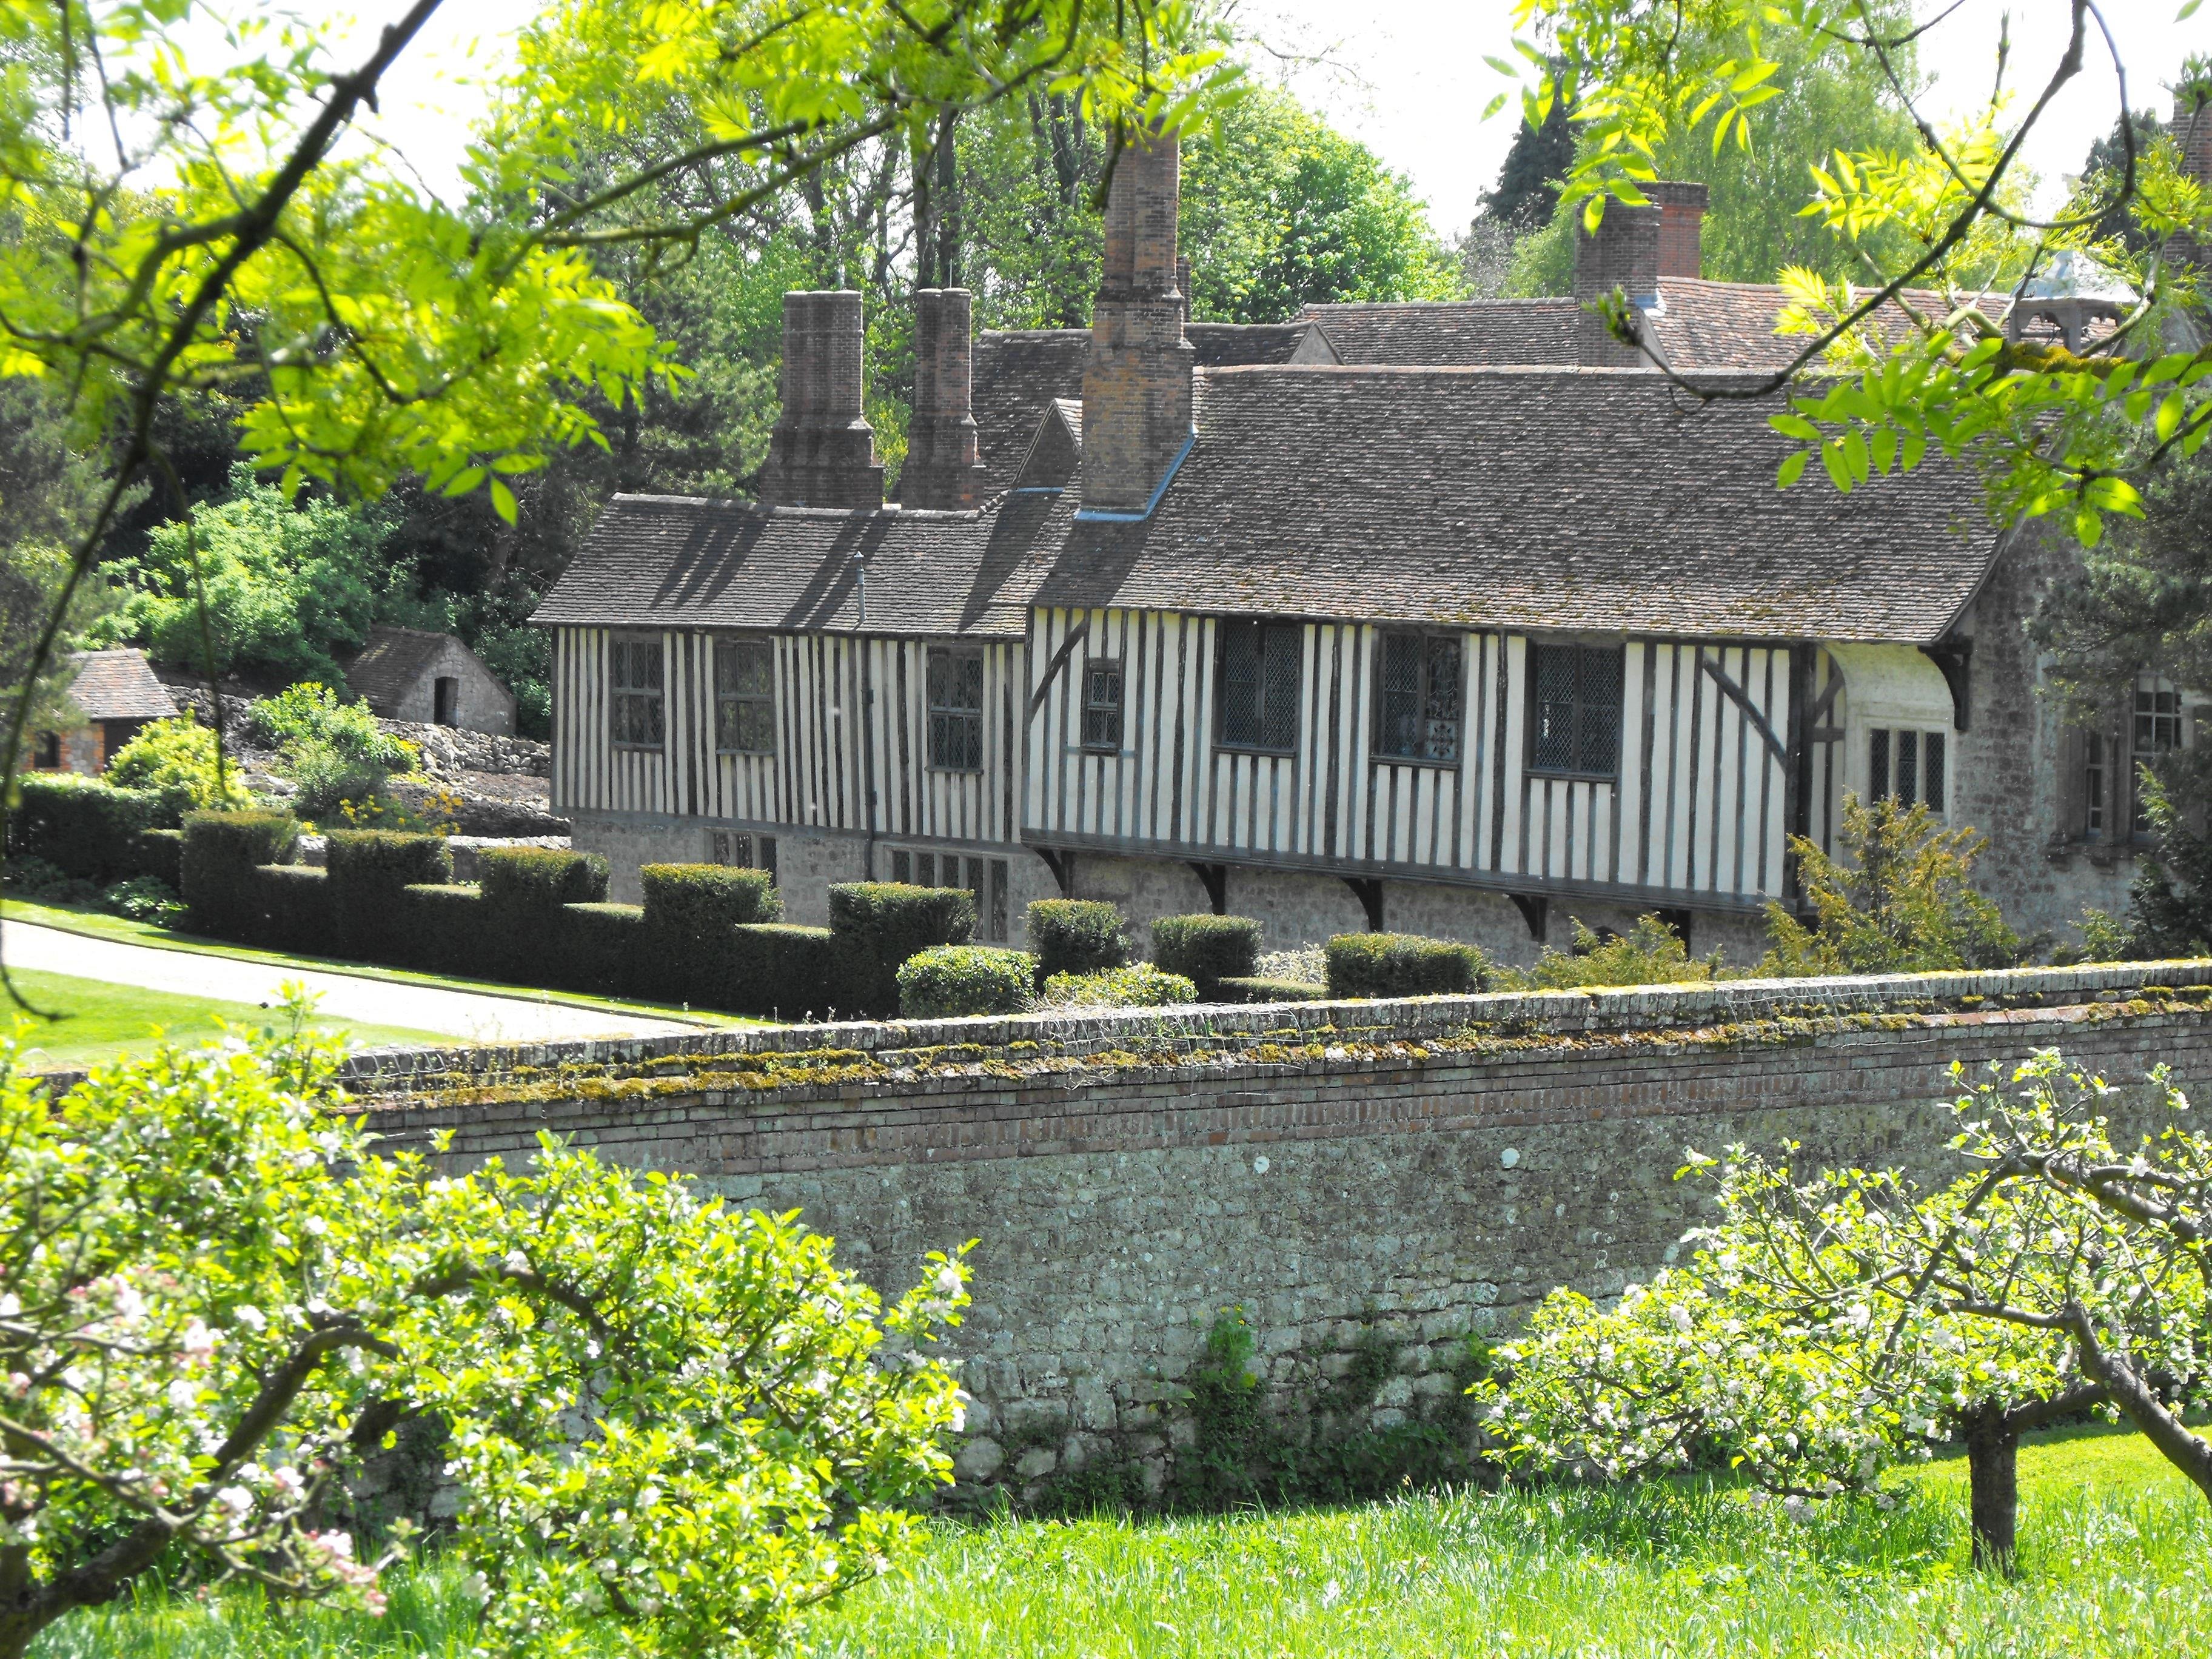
[[1352, 1174]]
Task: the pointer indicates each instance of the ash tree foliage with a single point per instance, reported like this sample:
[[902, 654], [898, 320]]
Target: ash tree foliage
[[1907, 356], [186, 226], [1826, 1328], [673, 1428]]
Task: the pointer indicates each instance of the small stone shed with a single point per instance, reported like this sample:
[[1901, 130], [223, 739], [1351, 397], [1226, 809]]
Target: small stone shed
[[110, 695], [431, 679]]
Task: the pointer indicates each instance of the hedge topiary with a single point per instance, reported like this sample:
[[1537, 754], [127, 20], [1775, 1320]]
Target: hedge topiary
[[441, 927], [695, 900], [949, 981], [367, 868], [606, 946], [161, 854], [540, 878], [1253, 988], [1403, 965], [1077, 936], [83, 827], [887, 921], [1207, 950], [1138, 985], [292, 909], [789, 972], [222, 850]]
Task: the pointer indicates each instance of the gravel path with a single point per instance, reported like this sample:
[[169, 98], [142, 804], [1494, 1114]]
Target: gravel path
[[467, 1014]]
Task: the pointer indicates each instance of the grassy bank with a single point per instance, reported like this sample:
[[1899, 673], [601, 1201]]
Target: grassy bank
[[2116, 1551], [76, 1021]]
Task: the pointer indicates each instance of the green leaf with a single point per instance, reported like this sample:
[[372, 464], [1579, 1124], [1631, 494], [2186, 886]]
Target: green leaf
[[465, 480], [1831, 457], [503, 501], [1795, 426], [1792, 469]]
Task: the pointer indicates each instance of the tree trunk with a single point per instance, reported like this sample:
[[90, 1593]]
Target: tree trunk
[[1993, 1474]]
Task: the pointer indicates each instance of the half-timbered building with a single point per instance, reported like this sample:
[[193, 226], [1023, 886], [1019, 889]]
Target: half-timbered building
[[1448, 618]]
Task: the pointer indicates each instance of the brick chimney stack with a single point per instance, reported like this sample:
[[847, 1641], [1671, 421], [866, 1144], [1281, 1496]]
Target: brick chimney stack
[[2192, 136], [942, 469], [822, 451], [1137, 389], [1681, 225], [1625, 255]]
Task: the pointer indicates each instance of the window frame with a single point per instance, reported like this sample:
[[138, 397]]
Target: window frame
[[1223, 631], [1429, 638], [1930, 750], [1533, 715], [619, 645], [934, 711], [738, 700], [1119, 708]]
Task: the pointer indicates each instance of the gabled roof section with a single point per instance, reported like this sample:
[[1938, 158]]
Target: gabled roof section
[[393, 661], [676, 561], [1527, 498], [1467, 333], [118, 685], [1056, 451]]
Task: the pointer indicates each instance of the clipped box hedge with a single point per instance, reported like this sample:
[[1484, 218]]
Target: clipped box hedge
[[86, 828], [885, 923], [783, 972], [692, 900], [294, 909], [442, 928], [1077, 936], [606, 950], [1245, 987], [367, 869], [1403, 965], [540, 878], [1207, 950], [220, 852], [161, 854], [950, 982]]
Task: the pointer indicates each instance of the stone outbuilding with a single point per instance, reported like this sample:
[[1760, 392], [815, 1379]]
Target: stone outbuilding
[[110, 695], [431, 679]]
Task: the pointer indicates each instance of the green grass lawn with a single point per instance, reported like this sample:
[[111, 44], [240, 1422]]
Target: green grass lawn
[[74, 1022], [2116, 1551], [99, 924]]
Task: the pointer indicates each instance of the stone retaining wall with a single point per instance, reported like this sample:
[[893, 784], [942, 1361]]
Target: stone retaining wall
[[1402, 1174]]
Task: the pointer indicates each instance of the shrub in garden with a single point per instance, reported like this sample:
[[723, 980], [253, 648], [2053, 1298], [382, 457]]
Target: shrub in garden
[[161, 854], [789, 972], [1650, 953], [443, 928], [1077, 936], [947, 981], [1402, 965], [176, 761], [334, 751], [367, 868], [1139, 985], [692, 901], [157, 1222], [145, 898], [1207, 950], [42, 882], [291, 908], [219, 853], [1258, 988], [885, 923], [607, 951], [540, 878], [84, 827]]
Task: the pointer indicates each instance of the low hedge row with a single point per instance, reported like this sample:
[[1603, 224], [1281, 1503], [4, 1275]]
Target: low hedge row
[[1077, 936], [705, 935], [91, 829], [947, 981], [1207, 950], [1403, 965]]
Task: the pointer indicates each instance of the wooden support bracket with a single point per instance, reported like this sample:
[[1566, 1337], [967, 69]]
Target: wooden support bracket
[[1062, 865], [1368, 889], [1214, 877], [1535, 909]]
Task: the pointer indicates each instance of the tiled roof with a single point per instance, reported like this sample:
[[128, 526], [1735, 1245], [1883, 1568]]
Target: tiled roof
[[1590, 499], [1019, 372], [118, 685], [1527, 498], [1467, 333], [670, 560]]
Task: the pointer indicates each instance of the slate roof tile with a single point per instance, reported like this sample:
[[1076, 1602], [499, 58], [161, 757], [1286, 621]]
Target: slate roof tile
[[1465, 332], [118, 685]]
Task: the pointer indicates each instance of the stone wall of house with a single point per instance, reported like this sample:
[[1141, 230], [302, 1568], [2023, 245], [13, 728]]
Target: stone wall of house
[[1351, 1174]]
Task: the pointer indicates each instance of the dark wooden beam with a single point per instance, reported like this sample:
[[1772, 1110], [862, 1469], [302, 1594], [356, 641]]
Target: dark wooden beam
[[1951, 658], [1062, 865], [1535, 909], [1214, 877], [1368, 889], [1075, 638], [1737, 695]]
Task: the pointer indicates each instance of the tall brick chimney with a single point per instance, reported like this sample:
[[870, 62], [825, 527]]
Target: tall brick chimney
[[1681, 225], [822, 451], [1137, 389], [942, 469], [2192, 136]]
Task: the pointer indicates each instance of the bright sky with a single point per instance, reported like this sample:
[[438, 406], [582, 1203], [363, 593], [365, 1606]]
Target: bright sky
[[1407, 76]]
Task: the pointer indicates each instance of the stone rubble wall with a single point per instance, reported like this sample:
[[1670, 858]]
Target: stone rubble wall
[[1408, 1173]]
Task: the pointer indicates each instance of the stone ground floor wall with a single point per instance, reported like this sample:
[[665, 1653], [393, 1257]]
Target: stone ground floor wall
[[1358, 1178]]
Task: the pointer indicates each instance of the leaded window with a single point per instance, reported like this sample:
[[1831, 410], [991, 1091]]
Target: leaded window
[[955, 710], [1424, 692], [2156, 733], [742, 851], [985, 879], [745, 697], [1101, 704], [1575, 714], [1908, 766], [634, 683], [1258, 696]]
